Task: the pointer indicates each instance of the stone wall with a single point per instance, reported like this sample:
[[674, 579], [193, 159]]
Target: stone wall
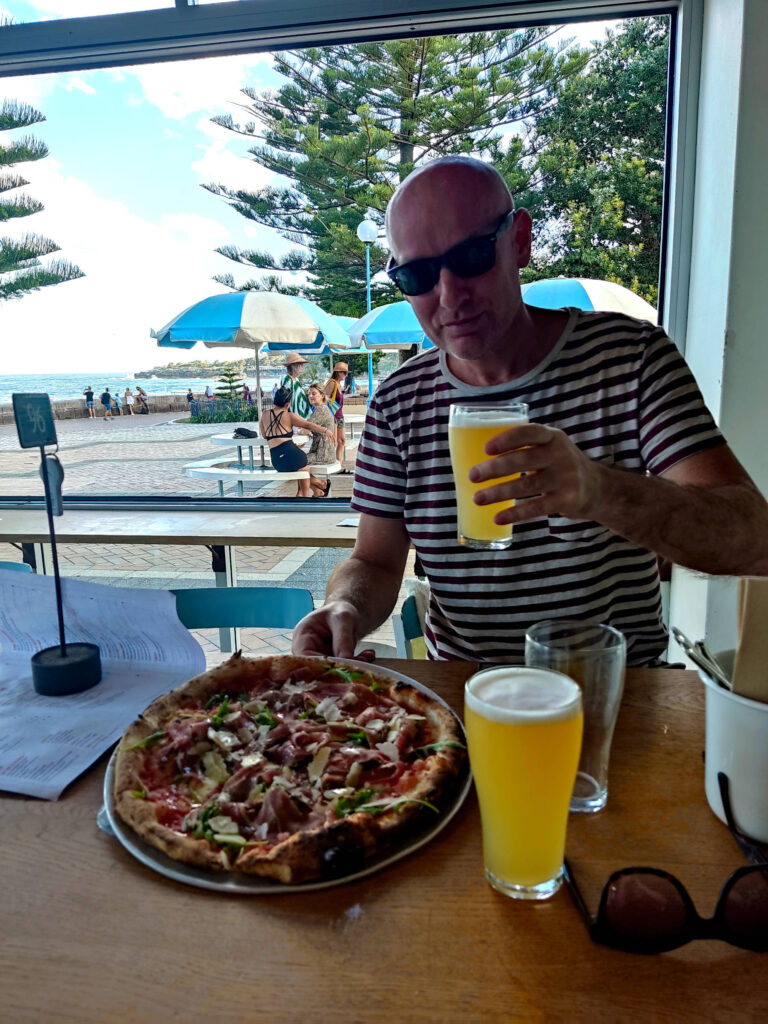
[[73, 409]]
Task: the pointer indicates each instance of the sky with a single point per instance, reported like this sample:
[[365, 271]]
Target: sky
[[128, 151]]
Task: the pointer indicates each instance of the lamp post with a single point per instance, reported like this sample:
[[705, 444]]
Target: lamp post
[[368, 232]]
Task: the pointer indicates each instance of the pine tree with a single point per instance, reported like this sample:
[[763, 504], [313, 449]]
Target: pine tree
[[21, 270], [354, 120], [230, 383]]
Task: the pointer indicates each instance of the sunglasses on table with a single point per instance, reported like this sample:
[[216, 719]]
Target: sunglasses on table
[[646, 910], [471, 258]]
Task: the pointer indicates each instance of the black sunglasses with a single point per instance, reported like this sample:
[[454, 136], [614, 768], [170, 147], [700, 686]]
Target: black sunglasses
[[471, 258], [646, 910]]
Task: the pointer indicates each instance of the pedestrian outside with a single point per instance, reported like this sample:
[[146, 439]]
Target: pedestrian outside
[[294, 364], [106, 401], [88, 392]]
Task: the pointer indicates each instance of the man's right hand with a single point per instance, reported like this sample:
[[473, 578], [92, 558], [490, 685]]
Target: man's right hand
[[330, 630]]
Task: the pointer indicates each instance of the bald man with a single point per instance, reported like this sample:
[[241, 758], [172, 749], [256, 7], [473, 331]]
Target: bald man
[[622, 461]]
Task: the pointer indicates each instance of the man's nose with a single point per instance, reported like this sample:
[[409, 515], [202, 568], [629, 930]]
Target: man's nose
[[452, 290]]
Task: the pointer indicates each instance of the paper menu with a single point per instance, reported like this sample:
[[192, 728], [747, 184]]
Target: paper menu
[[46, 742]]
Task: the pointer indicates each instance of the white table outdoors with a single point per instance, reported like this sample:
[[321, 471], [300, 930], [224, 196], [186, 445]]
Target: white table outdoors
[[228, 441]]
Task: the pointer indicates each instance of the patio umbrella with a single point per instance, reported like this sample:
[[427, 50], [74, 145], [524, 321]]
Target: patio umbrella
[[559, 292], [389, 327], [326, 349], [252, 320]]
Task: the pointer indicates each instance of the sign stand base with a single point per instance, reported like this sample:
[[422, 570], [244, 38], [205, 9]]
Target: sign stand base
[[57, 674]]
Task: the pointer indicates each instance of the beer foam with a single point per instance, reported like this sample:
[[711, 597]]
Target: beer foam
[[523, 695], [494, 417]]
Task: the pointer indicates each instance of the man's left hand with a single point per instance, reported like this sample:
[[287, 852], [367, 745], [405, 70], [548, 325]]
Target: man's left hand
[[558, 478]]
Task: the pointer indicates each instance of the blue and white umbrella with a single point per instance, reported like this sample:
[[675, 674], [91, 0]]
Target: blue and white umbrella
[[389, 327], [583, 293], [252, 320]]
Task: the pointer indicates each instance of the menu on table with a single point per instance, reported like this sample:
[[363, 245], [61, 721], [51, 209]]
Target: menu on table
[[46, 742]]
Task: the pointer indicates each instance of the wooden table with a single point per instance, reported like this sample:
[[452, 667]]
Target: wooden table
[[92, 935], [229, 528]]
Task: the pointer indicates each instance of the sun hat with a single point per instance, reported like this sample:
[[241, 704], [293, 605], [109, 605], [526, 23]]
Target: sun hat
[[341, 368], [293, 357]]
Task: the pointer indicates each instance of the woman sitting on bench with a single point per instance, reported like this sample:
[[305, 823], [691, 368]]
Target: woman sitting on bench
[[276, 426]]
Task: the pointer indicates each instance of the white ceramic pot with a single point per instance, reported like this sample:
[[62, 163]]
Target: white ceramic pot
[[737, 744]]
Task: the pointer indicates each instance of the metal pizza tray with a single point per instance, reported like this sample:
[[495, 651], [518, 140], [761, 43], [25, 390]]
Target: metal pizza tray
[[232, 883]]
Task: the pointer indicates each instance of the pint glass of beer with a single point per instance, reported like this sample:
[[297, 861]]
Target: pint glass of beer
[[524, 736], [469, 428]]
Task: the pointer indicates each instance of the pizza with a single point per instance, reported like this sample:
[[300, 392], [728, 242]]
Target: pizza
[[290, 768]]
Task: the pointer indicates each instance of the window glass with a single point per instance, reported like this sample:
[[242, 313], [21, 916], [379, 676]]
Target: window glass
[[146, 198], [30, 11]]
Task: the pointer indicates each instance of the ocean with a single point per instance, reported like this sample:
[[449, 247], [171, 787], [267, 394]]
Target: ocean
[[62, 386]]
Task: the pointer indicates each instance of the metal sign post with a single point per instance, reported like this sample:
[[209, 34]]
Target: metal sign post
[[66, 668]]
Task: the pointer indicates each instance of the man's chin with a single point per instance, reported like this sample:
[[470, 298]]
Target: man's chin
[[469, 346]]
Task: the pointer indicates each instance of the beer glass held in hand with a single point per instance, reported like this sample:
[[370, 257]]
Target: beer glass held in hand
[[524, 736], [470, 427]]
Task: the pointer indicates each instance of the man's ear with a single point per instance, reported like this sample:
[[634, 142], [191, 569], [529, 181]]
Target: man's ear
[[522, 233]]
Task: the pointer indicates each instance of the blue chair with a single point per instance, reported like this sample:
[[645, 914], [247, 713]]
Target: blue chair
[[16, 566], [235, 607], [407, 628]]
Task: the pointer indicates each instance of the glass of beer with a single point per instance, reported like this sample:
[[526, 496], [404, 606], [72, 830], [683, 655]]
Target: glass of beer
[[469, 428], [524, 735]]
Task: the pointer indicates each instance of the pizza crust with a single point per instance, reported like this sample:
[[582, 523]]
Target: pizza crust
[[340, 847]]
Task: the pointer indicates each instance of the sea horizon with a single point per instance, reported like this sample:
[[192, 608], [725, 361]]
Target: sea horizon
[[70, 386]]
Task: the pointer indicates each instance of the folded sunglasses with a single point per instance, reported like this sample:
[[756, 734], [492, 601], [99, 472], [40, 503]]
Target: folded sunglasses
[[646, 910], [471, 258]]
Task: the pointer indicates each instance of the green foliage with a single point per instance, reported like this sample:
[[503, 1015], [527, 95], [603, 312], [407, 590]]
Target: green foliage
[[20, 268], [359, 365], [353, 120], [597, 201], [230, 384], [235, 411]]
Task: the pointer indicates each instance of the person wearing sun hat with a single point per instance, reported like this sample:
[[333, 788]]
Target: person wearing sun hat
[[332, 388], [299, 401]]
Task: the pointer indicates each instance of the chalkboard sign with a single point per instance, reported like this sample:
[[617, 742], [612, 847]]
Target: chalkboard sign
[[34, 420]]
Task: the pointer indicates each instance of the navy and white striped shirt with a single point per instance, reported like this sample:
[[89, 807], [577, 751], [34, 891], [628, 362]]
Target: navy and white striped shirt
[[623, 393]]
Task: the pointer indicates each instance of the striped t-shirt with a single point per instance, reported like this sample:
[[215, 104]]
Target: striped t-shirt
[[623, 393]]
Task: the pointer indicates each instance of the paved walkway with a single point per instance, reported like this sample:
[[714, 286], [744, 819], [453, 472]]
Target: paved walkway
[[145, 455]]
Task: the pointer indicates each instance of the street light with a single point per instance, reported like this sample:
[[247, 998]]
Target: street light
[[368, 232]]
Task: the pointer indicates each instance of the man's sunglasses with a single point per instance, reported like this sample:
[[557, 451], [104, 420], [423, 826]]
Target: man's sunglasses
[[645, 910], [471, 258]]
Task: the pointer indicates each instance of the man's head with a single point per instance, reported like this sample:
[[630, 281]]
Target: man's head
[[441, 205]]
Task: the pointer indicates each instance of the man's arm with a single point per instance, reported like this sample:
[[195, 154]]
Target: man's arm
[[361, 592], [704, 513]]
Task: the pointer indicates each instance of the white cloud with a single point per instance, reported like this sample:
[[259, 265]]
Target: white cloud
[[181, 89], [139, 276], [225, 160]]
